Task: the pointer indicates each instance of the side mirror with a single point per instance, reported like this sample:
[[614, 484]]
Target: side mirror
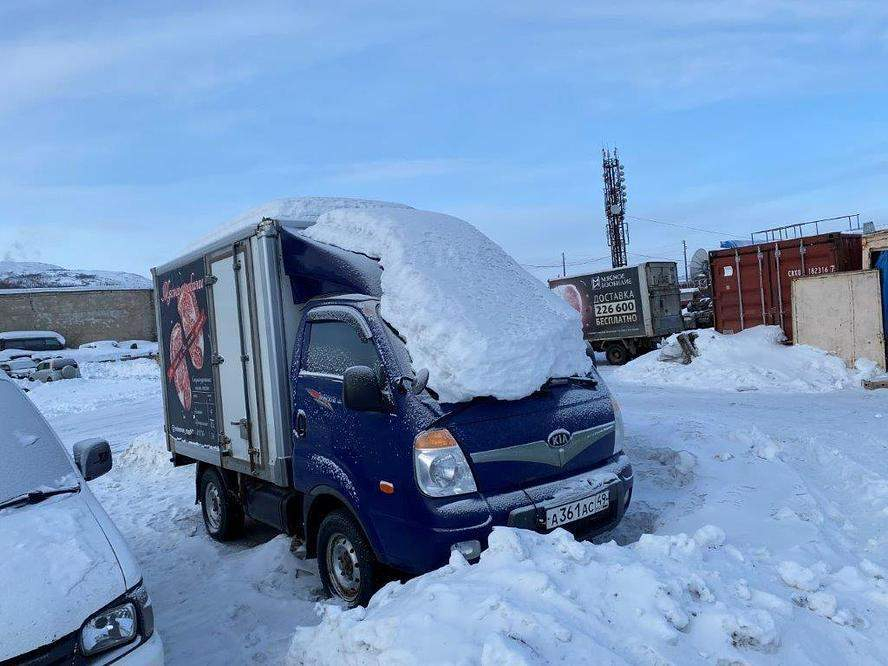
[[93, 458], [361, 390]]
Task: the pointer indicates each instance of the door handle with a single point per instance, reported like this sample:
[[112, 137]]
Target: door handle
[[301, 424]]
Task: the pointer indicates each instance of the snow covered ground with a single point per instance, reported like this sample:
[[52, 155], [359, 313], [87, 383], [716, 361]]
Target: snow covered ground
[[757, 535]]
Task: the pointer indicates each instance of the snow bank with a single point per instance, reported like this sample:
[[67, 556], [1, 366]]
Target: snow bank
[[535, 599], [147, 453], [100, 385], [469, 313], [750, 360]]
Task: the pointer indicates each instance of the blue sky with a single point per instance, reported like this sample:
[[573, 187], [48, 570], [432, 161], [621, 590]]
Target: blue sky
[[129, 129]]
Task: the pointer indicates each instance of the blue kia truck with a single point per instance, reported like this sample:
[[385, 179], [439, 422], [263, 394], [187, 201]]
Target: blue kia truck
[[300, 408]]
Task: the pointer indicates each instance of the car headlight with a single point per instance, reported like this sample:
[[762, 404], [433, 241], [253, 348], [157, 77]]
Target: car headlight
[[618, 426], [120, 624], [440, 465], [109, 628]]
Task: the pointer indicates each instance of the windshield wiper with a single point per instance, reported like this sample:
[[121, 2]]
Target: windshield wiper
[[590, 382], [35, 496]]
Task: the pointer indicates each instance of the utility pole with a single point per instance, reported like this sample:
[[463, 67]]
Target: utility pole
[[563, 266], [615, 206], [684, 246]]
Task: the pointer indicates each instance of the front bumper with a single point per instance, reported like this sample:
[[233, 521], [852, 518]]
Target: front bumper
[[149, 653], [470, 519]]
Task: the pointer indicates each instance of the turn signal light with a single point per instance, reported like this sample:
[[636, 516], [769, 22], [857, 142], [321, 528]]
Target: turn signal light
[[434, 439]]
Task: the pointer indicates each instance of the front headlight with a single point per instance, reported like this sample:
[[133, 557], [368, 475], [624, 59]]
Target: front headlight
[[109, 628], [440, 465], [618, 425], [119, 625]]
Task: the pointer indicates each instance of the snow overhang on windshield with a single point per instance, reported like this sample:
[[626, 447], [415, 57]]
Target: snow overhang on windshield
[[315, 268], [480, 323]]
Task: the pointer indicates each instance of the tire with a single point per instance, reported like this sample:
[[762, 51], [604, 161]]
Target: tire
[[616, 353], [346, 563], [223, 515]]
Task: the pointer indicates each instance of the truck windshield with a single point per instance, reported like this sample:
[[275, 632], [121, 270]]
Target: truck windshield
[[399, 349], [32, 456]]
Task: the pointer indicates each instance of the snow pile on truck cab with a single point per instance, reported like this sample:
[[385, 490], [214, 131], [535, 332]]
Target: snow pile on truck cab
[[753, 359], [468, 312], [546, 599]]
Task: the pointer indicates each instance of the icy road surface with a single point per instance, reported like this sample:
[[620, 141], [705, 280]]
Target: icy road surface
[[783, 498]]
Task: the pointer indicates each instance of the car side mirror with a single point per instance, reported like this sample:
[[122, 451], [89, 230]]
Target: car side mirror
[[361, 390], [93, 458]]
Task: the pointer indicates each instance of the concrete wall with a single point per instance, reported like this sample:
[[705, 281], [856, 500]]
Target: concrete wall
[[81, 316]]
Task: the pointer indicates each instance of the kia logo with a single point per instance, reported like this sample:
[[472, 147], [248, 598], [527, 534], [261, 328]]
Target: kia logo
[[558, 438]]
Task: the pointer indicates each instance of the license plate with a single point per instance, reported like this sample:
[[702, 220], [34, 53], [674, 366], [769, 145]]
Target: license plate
[[568, 513]]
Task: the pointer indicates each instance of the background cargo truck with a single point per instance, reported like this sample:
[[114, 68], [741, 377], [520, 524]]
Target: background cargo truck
[[300, 407], [625, 311]]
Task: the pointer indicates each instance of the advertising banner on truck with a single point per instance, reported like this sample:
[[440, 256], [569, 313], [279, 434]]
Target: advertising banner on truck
[[188, 372], [609, 302]]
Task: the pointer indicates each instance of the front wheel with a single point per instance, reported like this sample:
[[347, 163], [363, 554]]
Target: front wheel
[[346, 563], [223, 516]]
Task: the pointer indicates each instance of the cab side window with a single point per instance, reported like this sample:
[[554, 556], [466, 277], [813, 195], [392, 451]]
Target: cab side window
[[334, 346]]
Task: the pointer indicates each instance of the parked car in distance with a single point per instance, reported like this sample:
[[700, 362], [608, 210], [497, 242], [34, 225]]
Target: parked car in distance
[[54, 369], [72, 591], [19, 368], [101, 344], [31, 340]]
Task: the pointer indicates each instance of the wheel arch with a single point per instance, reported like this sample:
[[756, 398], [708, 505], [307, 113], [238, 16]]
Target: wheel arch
[[319, 503], [229, 479]]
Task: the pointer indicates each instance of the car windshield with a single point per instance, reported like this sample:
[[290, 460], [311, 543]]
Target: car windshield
[[32, 456]]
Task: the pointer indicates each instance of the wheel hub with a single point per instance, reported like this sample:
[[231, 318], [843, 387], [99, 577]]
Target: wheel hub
[[345, 571], [213, 506]]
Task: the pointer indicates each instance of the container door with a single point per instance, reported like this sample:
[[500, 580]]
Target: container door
[[742, 286], [762, 308], [234, 343], [809, 256]]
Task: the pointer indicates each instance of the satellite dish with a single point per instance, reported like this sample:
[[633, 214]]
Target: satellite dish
[[698, 268]]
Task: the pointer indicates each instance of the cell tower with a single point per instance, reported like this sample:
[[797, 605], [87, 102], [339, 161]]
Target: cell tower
[[615, 206]]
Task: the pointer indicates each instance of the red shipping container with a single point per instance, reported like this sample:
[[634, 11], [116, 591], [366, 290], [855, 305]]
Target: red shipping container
[[752, 285]]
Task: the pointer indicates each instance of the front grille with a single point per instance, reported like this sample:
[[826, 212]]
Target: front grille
[[65, 651]]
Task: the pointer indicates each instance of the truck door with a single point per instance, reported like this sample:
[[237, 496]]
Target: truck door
[[358, 443], [236, 362]]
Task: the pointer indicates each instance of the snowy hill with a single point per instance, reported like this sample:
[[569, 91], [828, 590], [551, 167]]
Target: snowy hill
[[34, 275]]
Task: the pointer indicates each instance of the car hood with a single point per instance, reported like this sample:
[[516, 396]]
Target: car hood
[[58, 568], [507, 441]]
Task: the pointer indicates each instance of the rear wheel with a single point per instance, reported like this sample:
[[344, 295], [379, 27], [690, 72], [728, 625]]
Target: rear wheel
[[616, 353], [346, 563], [223, 515]]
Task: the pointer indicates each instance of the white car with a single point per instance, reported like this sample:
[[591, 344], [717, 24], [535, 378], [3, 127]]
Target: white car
[[19, 368], [70, 590], [54, 369], [101, 344]]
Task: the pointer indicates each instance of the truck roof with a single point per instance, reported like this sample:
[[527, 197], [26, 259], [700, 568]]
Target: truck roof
[[294, 213]]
